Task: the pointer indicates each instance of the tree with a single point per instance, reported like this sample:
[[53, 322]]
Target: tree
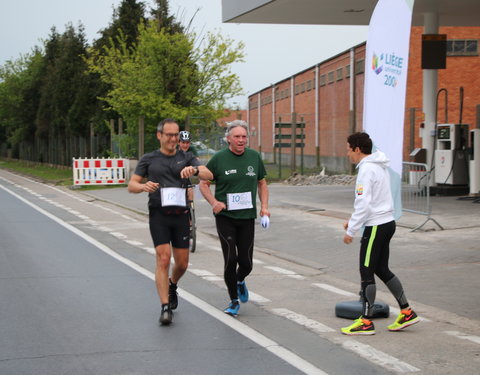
[[66, 96], [164, 75], [20, 82], [164, 20], [125, 20]]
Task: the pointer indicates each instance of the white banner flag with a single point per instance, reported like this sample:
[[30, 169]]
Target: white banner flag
[[386, 66]]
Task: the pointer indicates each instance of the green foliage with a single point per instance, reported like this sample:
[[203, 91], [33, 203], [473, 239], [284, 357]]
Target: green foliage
[[164, 75], [125, 20], [164, 20], [20, 82], [152, 68], [65, 97]]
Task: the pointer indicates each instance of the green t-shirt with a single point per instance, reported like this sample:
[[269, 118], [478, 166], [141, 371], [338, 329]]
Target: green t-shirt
[[237, 174]]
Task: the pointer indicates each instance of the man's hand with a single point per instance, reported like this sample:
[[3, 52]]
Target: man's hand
[[345, 225], [150, 187], [218, 206], [188, 171], [347, 239]]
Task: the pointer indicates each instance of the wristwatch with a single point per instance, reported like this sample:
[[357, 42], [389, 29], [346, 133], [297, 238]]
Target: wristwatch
[[196, 171]]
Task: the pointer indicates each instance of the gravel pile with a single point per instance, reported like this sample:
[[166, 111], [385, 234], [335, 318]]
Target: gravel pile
[[320, 179]]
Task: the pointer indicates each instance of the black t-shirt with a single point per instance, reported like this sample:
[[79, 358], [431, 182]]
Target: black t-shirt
[[165, 169]]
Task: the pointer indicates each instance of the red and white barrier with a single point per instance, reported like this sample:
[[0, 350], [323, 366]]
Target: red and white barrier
[[100, 171]]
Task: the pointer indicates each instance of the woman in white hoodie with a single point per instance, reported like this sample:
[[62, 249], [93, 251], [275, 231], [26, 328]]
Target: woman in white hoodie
[[373, 209]]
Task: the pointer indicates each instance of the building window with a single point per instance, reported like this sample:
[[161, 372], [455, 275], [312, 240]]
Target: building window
[[302, 87], [347, 71], [323, 80], [287, 92], [462, 47], [297, 89], [360, 66], [331, 77], [309, 85], [339, 74]]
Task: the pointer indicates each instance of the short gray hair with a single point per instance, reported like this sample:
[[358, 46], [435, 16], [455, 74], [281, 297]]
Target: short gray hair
[[162, 123], [234, 124]]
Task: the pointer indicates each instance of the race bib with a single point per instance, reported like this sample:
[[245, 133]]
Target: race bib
[[239, 201], [173, 196]]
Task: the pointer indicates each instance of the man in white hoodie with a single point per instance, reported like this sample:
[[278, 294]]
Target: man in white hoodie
[[373, 209]]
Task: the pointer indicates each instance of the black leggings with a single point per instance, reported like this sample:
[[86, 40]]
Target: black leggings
[[374, 254], [236, 237]]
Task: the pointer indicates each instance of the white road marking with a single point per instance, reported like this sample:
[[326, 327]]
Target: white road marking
[[118, 235], [333, 289], [376, 356], [104, 229], [207, 275], [254, 297], [285, 272], [464, 336], [303, 320], [243, 329], [134, 243], [149, 250], [256, 261]]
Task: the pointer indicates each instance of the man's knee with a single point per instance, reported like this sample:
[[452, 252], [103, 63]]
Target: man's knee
[[163, 255]]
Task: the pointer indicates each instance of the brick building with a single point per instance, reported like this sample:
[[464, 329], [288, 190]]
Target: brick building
[[330, 102]]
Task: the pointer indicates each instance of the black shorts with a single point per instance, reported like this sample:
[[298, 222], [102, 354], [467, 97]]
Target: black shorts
[[174, 229]]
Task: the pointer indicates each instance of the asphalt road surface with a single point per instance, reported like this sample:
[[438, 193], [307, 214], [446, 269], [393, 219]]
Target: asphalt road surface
[[69, 307]]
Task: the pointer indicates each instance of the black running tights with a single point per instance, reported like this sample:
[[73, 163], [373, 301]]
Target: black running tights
[[236, 237]]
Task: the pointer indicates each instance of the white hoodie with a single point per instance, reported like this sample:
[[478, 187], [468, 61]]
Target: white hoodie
[[373, 195]]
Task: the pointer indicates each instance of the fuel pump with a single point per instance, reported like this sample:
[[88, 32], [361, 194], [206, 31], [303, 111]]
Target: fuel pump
[[474, 162], [451, 164]]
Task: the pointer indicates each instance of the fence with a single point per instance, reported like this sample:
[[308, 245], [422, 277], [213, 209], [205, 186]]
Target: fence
[[100, 171], [416, 191]]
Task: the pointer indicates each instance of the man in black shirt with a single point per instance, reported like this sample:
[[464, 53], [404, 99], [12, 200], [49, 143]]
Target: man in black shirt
[[164, 175]]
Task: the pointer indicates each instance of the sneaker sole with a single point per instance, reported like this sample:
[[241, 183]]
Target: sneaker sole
[[230, 313], [359, 333], [414, 321], [166, 322]]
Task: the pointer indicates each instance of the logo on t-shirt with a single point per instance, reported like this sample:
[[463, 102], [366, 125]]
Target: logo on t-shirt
[[231, 171], [360, 189], [250, 171]]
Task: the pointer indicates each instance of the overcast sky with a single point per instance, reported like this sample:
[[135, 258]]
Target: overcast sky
[[273, 52]]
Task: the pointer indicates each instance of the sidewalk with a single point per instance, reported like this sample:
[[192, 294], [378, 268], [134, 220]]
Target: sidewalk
[[451, 212]]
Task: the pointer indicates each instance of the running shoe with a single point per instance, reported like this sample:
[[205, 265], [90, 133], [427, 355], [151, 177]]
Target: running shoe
[[242, 291], [232, 308], [166, 316], [360, 326], [405, 319], [172, 296]]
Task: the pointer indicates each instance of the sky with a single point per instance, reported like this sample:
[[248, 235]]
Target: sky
[[273, 52]]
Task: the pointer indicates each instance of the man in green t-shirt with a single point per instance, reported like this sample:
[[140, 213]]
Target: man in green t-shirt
[[239, 174]]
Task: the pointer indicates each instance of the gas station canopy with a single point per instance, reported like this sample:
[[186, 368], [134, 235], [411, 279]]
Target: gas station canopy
[[344, 12]]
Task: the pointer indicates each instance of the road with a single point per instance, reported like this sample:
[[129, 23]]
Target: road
[[76, 309]]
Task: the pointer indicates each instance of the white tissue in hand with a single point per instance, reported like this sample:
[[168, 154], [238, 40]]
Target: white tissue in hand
[[265, 221]]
